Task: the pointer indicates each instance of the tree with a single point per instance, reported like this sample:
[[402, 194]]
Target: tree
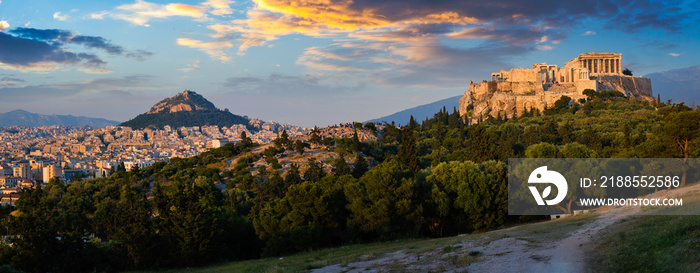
[[562, 102], [408, 154], [683, 128], [299, 147], [355, 142], [412, 124], [245, 140], [357, 125], [340, 167], [315, 171], [292, 177], [285, 141], [590, 93], [315, 138], [310, 215], [627, 72], [371, 127], [360, 166], [467, 196], [541, 150], [383, 202]]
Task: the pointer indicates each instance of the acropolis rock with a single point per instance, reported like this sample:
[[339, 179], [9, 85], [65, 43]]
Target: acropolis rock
[[510, 93]]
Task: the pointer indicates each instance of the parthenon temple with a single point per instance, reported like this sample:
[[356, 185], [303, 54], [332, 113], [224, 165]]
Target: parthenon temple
[[586, 66]]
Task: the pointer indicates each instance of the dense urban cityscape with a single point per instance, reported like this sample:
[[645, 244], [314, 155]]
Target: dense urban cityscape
[[29, 155]]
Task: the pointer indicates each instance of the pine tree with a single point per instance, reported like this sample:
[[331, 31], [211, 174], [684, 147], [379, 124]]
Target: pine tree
[[408, 155], [293, 176], [355, 142], [315, 138], [360, 167], [286, 141], [340, 167], [412, 124], [314, 172], [245, 140], [299, 147]]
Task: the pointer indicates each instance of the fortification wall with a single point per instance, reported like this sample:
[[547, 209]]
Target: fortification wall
[[585, 84], [523, 75]]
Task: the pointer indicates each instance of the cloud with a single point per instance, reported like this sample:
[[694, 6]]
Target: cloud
[[4, 25], [141, 12], [283, 85], [510, 21], [60, 17], [132, 82], [44, 49], [139, 54], [37, 48], [10, 81], [213, 49], [428, 65], [520, 35], [28, 54], [589, 32], [219, 7], [673, 54], [639, 16], [544, 47], [190, 67]]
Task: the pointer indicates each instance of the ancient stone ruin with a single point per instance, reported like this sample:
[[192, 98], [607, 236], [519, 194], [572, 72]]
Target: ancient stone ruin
[[510, 93]]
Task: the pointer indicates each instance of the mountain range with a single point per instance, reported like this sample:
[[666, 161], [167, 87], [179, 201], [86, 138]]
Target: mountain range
[[24, 118], [185, 109], [677, 85], [421, 112]]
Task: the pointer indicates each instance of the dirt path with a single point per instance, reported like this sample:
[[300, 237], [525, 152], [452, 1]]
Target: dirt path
[[554, 246]]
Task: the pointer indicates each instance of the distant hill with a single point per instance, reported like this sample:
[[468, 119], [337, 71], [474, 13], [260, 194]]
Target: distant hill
[[421, 112], [185, 109], [24, 118], [678, 85]]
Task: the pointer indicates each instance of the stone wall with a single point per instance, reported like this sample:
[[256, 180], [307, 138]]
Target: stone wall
[[586, 84], [523, 75]]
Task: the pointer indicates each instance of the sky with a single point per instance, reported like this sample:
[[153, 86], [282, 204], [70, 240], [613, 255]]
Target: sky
[[315, 62]]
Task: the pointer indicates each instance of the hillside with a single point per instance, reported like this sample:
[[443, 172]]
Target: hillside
[[24, 118], [421, 112], [246, 201], [185, 109]]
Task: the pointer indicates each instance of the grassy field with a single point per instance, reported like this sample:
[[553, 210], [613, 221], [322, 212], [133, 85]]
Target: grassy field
[[653, 243], [650, 244], [536, 234]]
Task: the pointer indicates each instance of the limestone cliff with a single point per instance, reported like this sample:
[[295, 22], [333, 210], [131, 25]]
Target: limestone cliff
[[511, 99], [185, 101]]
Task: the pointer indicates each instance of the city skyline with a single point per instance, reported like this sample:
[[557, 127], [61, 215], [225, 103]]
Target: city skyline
[[310, 62]]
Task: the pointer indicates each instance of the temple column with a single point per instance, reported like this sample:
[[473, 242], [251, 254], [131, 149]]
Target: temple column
[[606, 62]]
